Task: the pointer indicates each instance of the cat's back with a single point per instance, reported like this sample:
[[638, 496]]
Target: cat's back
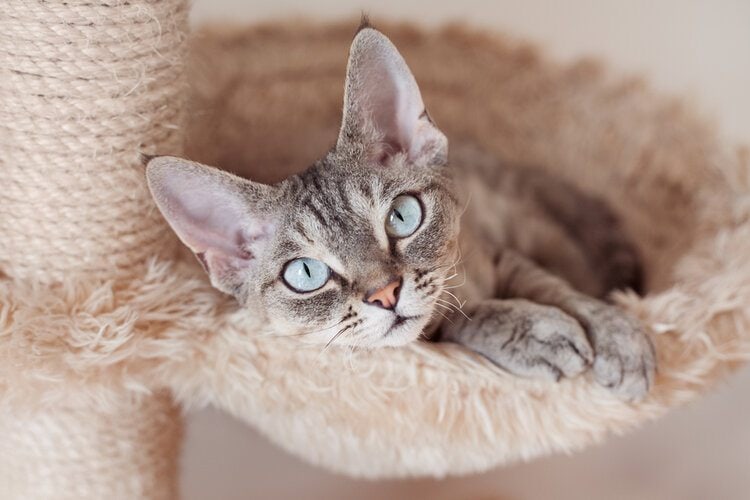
[[544, 217]]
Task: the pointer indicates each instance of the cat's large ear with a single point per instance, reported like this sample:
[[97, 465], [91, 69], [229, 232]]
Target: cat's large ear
[[383, 108], [219, 216]]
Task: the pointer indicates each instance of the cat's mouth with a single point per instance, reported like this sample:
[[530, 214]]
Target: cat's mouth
[[398, 322]]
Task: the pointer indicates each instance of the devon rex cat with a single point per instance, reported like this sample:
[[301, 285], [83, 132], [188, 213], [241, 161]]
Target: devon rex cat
[[363, 247]]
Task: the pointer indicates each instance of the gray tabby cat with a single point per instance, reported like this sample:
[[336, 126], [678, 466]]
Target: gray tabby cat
[[363, 247]]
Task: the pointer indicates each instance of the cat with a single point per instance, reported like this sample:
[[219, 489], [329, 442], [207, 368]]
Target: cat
[[374, 244]]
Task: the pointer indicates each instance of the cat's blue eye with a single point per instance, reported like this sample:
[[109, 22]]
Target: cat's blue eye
[[404, 217], [306, 275]]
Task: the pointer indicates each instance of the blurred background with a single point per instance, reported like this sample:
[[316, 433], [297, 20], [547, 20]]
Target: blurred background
[[699, 50]]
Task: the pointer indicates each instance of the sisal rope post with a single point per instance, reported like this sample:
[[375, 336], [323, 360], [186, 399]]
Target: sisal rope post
[[85, 87], [80, 452]]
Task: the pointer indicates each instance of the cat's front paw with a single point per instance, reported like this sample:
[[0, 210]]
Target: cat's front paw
[[554, 346], [537, 341], [625, 360], [527, 339]]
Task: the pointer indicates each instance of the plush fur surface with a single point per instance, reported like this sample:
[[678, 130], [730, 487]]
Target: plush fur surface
[[266, 101]]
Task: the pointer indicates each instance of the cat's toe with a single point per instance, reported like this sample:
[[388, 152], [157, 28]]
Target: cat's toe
[[625, 360], [558, 348]]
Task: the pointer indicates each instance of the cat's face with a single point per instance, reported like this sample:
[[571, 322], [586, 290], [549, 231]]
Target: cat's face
[[350, 231], [356, 249]]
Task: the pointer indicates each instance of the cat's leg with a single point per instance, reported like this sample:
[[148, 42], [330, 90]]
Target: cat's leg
[[526, 339], [590, 222], [624, 356]]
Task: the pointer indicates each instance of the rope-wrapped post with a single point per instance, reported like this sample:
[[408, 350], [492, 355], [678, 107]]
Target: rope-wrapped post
[[85, 88]]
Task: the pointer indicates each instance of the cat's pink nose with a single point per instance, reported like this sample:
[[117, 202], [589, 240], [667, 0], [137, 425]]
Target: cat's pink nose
[[386, 297]]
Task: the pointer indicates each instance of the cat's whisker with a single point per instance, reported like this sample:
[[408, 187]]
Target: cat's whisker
[[350, 328], [464, 314], [460, 304], [350, 355], [463, 281], [466, 205], [446, 318], [454, 307], [451, 287], [352, 348], [457, 304], [446, 303], [453, 264], [302, 334], [333, 339], [449, 309]]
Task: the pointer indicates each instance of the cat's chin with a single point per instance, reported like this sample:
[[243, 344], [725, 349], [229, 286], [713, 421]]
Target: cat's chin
[[397, 340], [402, 335]]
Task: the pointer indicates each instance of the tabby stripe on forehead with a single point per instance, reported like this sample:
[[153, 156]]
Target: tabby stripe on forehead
[[386, 186], [365, 187], [286, 248], [335, 214], [310, 206], [301, 231], [346, 205], [316, 183], [302, 181]]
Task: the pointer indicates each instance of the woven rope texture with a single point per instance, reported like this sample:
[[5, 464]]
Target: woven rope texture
[[84, 87]]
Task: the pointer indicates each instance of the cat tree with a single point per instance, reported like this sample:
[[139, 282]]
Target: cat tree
[[105, 329]]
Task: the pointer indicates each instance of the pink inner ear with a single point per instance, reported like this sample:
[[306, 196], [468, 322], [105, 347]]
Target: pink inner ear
[[207, 215], [215, 214], [393, 101], [381, 90]]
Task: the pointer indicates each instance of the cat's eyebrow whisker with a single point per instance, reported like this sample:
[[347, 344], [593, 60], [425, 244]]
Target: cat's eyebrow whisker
[[466, 205]]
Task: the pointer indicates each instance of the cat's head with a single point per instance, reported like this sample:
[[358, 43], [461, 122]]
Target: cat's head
[[354, 250]]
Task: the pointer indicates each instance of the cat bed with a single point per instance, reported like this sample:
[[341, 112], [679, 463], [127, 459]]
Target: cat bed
[[105, 325]]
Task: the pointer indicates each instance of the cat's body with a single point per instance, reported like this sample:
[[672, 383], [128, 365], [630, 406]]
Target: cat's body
[[384, 239], [562, 229]]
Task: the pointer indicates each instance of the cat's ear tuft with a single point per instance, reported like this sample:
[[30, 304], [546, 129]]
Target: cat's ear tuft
[[383, 108], [215, 214]]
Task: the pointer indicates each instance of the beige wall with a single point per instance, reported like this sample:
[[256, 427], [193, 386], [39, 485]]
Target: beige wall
[[697, 49]]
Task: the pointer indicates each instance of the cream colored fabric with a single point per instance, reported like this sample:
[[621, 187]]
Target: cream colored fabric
[[267, 100]]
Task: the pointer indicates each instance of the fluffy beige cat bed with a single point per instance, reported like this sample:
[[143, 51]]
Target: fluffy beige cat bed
[[103, 325]]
